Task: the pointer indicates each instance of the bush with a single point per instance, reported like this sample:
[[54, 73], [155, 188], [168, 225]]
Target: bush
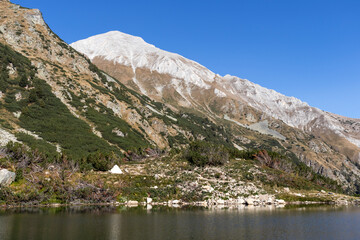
[[19, 175], [202, 153], [100, 161]]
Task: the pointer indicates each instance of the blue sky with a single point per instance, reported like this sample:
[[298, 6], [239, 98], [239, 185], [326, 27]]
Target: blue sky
[[309, 49]]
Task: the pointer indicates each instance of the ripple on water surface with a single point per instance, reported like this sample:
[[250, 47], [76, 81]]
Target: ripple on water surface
[[187, 223]]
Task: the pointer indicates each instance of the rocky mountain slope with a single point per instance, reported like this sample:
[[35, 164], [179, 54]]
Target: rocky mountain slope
[[329, 143], [57, 102], [54, 97]]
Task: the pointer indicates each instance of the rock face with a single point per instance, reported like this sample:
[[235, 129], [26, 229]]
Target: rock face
[[185, 84], [6, 177]]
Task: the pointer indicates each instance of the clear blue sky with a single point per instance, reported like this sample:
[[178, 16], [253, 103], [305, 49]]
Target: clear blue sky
[[309, 49]]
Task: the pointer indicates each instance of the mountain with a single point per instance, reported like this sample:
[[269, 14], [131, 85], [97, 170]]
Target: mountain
[[327, 142], [67, 111], [54, 98]]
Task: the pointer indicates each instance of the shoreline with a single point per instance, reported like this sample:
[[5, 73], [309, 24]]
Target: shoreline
[[132, 204]]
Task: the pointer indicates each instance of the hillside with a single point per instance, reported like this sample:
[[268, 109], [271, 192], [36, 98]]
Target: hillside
[[324, 141], [172, 124], [82, 107]]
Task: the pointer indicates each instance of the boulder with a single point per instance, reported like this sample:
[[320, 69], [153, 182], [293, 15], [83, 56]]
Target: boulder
[[132, 203], [240, 201], [250, 201], [269, 201], [176, 201], [116, 170], [207, 188], [6, 177]]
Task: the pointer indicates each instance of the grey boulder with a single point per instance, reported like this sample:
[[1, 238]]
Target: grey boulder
[[6, 177]]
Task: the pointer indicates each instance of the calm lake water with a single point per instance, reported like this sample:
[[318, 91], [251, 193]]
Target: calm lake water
[[120, 223]]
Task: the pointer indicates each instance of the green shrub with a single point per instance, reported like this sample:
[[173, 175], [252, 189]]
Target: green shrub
[[100, 161], [202, 153], [19, 175]]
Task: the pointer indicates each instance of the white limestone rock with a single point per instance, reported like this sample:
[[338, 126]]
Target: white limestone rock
[[6, 177]]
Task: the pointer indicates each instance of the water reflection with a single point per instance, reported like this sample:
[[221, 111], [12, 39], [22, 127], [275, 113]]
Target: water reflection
[[186, 223]]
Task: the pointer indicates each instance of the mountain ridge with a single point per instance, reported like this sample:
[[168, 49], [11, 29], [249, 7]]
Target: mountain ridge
[[54, 98], [254, 92], [230, 98]]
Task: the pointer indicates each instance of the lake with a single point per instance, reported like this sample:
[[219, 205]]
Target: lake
[[325, 222]]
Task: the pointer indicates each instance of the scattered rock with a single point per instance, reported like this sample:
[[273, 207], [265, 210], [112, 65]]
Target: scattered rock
[[6, 177], [132, 203], [249, 201], [240, 201], [118, 132], [176, 202], [207, 188], [18, 96], [17, 114]]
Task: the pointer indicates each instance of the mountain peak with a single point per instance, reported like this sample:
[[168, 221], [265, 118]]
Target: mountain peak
[[117, 35], [133, 51]]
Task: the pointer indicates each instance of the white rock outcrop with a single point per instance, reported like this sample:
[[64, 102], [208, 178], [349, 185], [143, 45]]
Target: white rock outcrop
[[6, 177], [6, 137]]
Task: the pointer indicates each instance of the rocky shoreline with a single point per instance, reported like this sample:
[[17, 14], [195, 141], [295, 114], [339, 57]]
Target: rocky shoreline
[[251, 202]]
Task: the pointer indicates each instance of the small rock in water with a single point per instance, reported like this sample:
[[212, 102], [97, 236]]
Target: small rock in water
[[176, 202], [250, 201], [280, 201], [132, 203]]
